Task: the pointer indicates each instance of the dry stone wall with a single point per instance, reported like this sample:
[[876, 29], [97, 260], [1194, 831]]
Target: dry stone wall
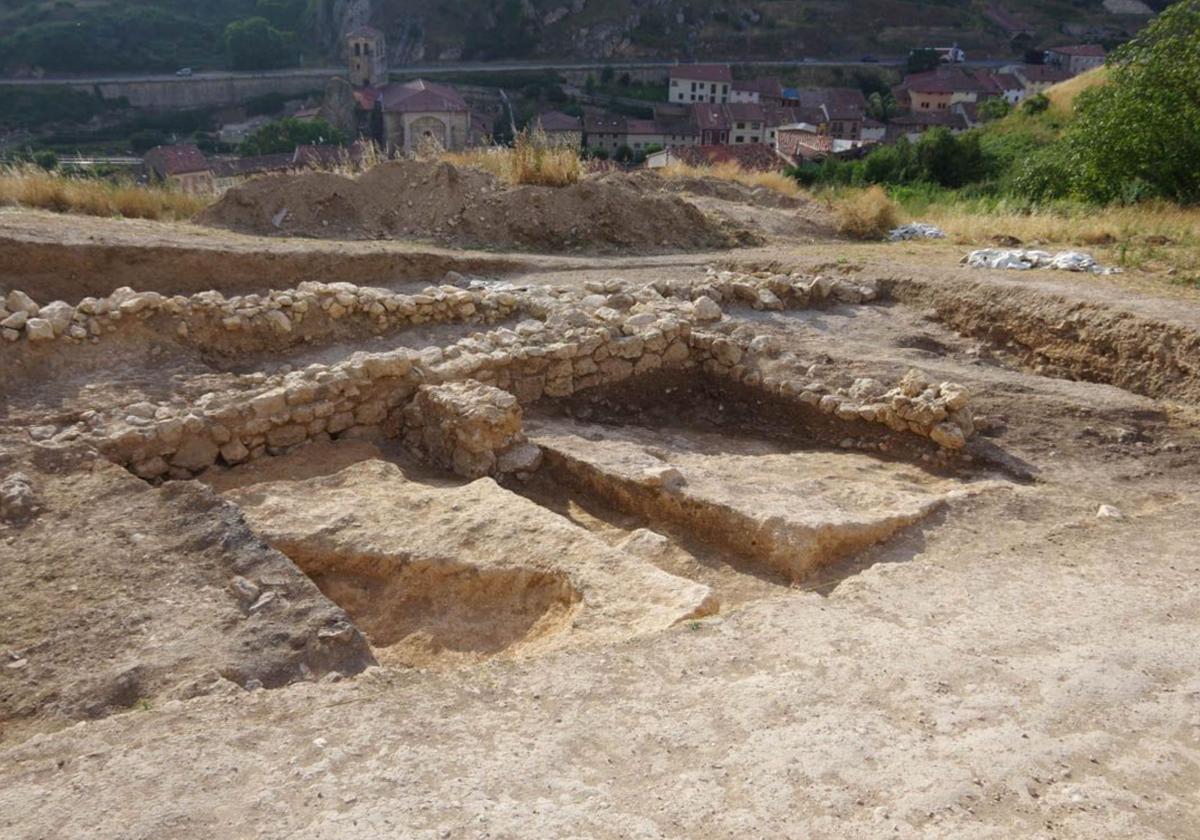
[[460, 404]]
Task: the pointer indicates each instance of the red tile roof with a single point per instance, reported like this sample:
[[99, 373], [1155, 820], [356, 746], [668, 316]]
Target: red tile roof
[[603, 123], [1043, 73], [949, 80], [702, 72], [752, 156], [834, 103], [180, 159], [642, 127], [364, 32], [771, 87], [420, 95], [557, 121]]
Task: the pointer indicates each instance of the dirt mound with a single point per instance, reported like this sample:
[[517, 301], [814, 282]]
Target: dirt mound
[[466, 207], [713, 188]]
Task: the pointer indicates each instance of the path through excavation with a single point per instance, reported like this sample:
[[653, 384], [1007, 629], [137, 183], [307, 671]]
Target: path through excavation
[[674, 547]]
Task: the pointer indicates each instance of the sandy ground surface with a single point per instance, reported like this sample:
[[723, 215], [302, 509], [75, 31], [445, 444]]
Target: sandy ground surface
[[1011, 665]]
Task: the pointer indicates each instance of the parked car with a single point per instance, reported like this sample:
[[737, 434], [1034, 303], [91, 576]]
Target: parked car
[[184, 71], [869, 59]]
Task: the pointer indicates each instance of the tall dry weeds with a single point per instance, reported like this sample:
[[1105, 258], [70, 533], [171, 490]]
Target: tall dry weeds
[[533, 159], [26, 185], [865, 214], [731, 171]]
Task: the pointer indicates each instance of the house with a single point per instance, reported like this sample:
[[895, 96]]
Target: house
[[757, 91], [873, 131], [939, 89], [839, 112], [400, 116], [1009, 87], [747, 123], [234, 133], [803, 141], [232, 171], [1076, 59], [912, 126], [560, 129], [612, 131], [1037, 77], [182, 166], [712, 123], [753, 158], [604, 131], [690, 83]]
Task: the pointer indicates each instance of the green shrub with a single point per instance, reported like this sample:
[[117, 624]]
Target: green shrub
[[286, 134]]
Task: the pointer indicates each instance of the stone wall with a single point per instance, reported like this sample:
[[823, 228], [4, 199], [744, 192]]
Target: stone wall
[[576, 340]]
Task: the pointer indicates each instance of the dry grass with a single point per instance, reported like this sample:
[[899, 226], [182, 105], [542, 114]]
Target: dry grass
[[865, 214], [1154, 237], [1062, 96], [533, 159], [30, 186], [1076, 225], [730, 171]]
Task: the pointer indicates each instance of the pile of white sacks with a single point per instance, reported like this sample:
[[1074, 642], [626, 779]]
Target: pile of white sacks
[[1022, 260], [916, 230]]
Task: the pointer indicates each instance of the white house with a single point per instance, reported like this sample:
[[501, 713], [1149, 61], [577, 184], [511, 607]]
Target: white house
[[700, 83]]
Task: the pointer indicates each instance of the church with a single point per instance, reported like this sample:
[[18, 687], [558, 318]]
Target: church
[[402, 117]]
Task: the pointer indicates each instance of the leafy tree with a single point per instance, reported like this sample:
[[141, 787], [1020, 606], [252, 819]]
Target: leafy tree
[[993, 109], [286, 134], [1139, 134], [881, 106], [922, 60], [1035, 104], [254, 44], [285, 15], [623, 154], [607, 74], [146, 139]]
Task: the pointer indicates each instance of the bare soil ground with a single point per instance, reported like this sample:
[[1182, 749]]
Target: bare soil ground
[[704, 615]]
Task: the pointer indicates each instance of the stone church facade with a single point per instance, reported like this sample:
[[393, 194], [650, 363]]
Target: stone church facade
[[402, 117]]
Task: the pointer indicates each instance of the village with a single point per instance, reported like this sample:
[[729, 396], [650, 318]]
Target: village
[[709, 116]]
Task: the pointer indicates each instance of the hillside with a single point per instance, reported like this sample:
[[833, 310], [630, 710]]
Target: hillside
[[484, 29], [145, 35]]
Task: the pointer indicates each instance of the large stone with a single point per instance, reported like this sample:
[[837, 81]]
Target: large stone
[[196, 453], [39, 329], [18, 301]]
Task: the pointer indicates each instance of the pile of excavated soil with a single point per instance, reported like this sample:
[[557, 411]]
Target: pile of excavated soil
[[761, 209], [467, 207]]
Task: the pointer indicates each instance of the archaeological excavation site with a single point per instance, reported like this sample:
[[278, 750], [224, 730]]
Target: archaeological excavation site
[[415, 506]]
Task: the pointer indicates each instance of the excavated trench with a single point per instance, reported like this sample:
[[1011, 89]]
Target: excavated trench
[[738, 478], [416, 612], [1053, 336], [72, 271]]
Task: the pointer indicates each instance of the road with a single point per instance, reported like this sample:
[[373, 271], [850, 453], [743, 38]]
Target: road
[[458, 67]]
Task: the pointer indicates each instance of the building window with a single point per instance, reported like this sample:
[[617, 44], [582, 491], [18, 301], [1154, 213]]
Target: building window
[[739, 139], [741, 125]]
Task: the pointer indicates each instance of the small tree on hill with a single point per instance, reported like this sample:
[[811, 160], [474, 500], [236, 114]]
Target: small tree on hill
[[993, 109], [286, 134], [922, 60], [253, 44]]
